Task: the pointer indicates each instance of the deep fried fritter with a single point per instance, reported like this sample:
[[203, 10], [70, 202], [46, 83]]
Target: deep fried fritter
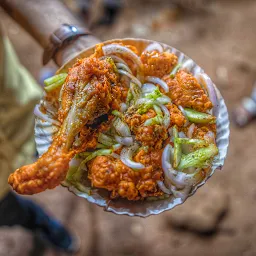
[[158, 64], [187, 92]]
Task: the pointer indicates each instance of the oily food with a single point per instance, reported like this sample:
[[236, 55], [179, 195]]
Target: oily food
[[136, 124]]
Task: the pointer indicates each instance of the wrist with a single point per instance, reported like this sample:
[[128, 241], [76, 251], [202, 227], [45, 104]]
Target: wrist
[[71, 50]]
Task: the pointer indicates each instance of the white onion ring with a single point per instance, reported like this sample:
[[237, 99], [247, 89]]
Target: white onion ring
[[122, 128], [206, 81], [126, 157], [159, 81], [179, 179], [116, 48], [124, 67], [166, 120], [118, 59], [182, 135], [115, 155], [126, 141], [148, 88], [191, 129], [123, 107], [154, 46], [210, 136], [163, 187], [132, 77], [44, 117], [187, 65]]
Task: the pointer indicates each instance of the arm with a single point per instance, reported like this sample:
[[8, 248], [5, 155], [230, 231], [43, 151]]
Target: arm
[[41, 18]]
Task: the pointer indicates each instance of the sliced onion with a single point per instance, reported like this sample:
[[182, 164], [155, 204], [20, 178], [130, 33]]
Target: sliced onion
[[188, 65], [105, 139], [184, 114], [177, 178], [118, 59], [144, 101], [163, 187], [119, 49], [122, 128], [166, 118], [44, 117], [159, 81], [123, 107], [206, 81], [210, 137], [116, 146], [148, 88], [183, 111], [132, 77], [127, 155], [115, 155], [127, 141], [124, 67], [191, 130], [75, 162], [182, 135], [154, 46]]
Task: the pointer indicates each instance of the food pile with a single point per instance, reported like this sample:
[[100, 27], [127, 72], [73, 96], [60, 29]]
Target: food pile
[[135, 123]]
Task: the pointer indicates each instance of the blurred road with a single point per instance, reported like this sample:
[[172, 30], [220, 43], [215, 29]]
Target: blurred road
[[220, 218]]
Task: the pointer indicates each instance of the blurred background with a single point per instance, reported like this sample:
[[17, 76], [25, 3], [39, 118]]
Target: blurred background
[[220, 218]]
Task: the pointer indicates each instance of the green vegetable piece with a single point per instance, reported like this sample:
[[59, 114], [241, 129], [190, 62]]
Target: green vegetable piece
[[175, 70], [99, 145], [105, 140], [133, 94], [82, 188], [117, 113], [198, 158], [112, 63], [197, 142], [154, 95], [154, 120], [143, 108], [55, 81], [177, 148], [199, 117], [100, 152], [71, 172]]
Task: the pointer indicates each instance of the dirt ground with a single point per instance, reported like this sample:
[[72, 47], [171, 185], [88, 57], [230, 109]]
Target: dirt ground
[[220, 218]]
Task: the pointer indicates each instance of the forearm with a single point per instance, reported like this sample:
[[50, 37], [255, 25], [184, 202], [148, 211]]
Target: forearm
[[41, 18]]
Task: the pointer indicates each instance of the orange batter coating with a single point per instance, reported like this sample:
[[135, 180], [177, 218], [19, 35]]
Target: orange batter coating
[[111, 174], [89, 92], [187, 92], [158, 64]]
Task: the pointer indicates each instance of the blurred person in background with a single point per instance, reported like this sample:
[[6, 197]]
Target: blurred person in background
[[19, 92], [245, 112]]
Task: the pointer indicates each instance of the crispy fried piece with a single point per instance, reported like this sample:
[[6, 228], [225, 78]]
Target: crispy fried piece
[[158, 64], [153, 135], [111, 174], [176, 115], [187, 92], [88, 93]]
